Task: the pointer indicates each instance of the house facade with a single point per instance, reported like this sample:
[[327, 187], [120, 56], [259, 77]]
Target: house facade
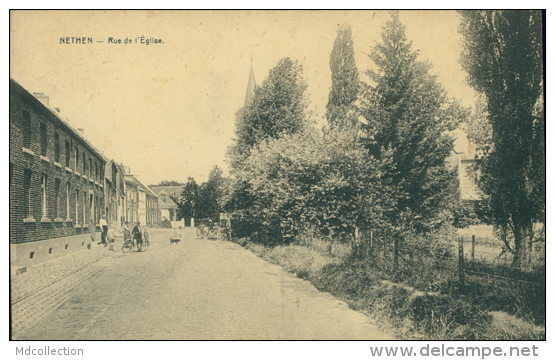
[[464, 156], [114, 194], [56, 182], [131, 199], [168, 196], [149, 210]]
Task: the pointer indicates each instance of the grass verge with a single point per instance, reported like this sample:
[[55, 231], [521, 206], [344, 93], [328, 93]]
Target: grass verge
[[407, 312]]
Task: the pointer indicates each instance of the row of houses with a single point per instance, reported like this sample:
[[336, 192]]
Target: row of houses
[[61, 185]]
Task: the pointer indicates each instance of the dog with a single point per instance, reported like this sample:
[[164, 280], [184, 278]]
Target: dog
[[174, 240]]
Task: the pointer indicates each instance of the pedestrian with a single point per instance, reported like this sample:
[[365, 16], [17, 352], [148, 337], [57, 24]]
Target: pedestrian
[[111, 237], [138, 235], [126, 232], [104, 226]]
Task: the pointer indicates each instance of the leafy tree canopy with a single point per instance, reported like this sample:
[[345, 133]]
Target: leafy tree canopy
[[307, 179], [278, 107]]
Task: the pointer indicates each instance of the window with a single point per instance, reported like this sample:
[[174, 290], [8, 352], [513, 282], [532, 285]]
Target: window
[[43, 139], [27, 176], [84, 164], [56, 196], [92, 207], [76, 159], [114, 174], [85, 207], [89, 173], [43, 196], [56, 147], [76, 206], [68, 193], [68, 153], [27, 131]]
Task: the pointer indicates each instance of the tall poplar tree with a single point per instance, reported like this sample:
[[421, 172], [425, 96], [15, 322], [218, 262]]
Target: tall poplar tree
[[344, 80], [503, 55]]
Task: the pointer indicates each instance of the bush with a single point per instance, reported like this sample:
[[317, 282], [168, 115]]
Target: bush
[[165, 224], [288, 185]]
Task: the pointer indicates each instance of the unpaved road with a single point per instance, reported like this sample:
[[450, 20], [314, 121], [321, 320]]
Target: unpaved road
[[198, 289]]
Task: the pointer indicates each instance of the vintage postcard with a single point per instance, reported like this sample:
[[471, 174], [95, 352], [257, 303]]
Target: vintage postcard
[[277, 175]]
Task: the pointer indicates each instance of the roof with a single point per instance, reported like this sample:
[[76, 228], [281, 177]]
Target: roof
[[251, 86], [144, 188], [108, 169], [168, 189], [164, 192], [15, 86]]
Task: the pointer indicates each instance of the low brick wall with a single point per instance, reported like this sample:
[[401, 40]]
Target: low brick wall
[[36, 252]]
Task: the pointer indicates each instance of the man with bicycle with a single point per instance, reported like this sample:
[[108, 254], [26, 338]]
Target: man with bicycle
[[138, 235]]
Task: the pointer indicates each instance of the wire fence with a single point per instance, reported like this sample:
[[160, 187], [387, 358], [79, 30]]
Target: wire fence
[[457, 262]]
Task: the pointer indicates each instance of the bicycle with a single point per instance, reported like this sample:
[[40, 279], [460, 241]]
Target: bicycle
[[201, 232], [132, 245], [212, 233]]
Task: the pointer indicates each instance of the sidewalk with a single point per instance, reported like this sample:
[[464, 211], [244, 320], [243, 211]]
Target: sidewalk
[[47, 285]]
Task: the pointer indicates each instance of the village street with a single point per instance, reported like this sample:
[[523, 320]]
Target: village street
[[198, 289]]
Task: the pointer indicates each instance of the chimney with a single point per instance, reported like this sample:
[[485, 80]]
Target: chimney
[[82, 131], [42, 98]]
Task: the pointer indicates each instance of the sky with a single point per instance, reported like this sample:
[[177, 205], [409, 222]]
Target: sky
[[167, 110]]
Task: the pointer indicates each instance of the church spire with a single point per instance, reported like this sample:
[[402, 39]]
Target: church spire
[[251, 86]]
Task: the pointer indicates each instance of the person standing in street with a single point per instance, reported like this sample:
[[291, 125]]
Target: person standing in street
[[104, 226], [138, 235]]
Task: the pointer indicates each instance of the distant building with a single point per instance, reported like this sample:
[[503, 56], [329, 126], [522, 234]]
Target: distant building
[[149, 210], [465, 155], [168, 197], [56, 182], [142, 204], [131, 198], [251, 87]]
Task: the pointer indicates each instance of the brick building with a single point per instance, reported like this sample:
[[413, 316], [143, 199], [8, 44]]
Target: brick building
[[56, 182]]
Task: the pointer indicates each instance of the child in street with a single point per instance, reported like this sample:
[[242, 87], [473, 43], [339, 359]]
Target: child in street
[[111, 237]]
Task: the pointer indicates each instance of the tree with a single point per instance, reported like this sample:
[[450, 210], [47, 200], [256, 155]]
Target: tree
[[409, 113], [278, 107], [344, 80], [309, 180], [207, 205], [478, 126], [169, 183], [188, 199], [503, 56]]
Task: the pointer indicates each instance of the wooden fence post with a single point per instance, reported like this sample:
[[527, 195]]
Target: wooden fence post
[[473, 246], [461, 263], [396, 254]]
